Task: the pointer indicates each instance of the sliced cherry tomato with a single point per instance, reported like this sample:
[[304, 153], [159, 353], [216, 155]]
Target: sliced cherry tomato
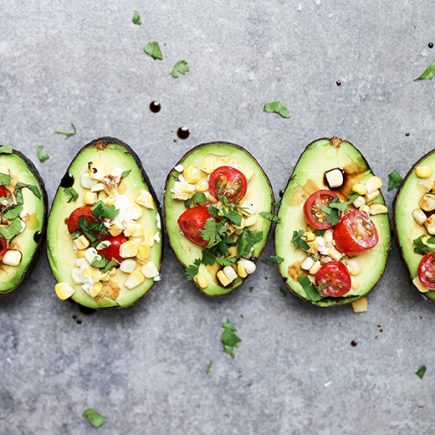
[[3, 247], [73, 221], [315, 217], [334, 279], [355, 233], [229, 182], [193, 220], [112, 251], [4, 193], [426, 271]]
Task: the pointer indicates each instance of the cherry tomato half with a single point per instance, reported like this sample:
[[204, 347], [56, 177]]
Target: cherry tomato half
[[193, 220], [112, 251], [426, 271], [334, 279], [73, 221], [355, 233], [315, 217], [229, 182], [4, 193], [3, 247]]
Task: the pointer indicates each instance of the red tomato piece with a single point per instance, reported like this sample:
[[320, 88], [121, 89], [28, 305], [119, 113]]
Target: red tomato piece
[[3, 247], [426, 271], [315, 217], [192, 221], [4, 193], [334, 279], [229, 182], [112, 251], [73, 221], [355, 233]]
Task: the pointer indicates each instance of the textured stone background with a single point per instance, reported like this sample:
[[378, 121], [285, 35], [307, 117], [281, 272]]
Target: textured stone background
[[144, 368]]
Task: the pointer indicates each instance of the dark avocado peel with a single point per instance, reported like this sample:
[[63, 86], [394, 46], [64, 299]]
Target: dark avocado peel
[[406, 228], [29, 242], [308, 176], [110, 153], [259, 195]]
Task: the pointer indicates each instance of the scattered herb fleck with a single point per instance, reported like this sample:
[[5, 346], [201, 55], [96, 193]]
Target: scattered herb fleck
[[229, 338], [136, 18], [395, 180], [421, 371], [428, 73], [94, 418], [67, 134], [181, 67], [420, 247], [72, 193], [269, 216], [273, 260], [309, 288], [277, 107], [209, 367], [153, 49], [42, 153], [298, 241]]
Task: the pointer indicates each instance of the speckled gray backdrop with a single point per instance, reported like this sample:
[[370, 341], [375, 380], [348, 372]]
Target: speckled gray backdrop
[[144, 368]]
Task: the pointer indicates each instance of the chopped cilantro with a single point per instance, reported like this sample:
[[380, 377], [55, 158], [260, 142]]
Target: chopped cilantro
[[213, 232], [233, 217], [273, 260], [192, 270], [6, 149], [421, 371], [136, 18], [11, 230], [197, 198], [229, 338], [20, 186], [42, 154], [351, 197], [298, 241], [269, 216], [72, 193], [226, 261], [153, 49], [247, 240], [332, 210], [181, 67], [309, 288], [209, 367], [102, 263], [420, 247], [125, 173], [428, 73], [5, 179], [94, 418], [277, 107], [67, 134], [395, 180], [103, 211], [319, 232]]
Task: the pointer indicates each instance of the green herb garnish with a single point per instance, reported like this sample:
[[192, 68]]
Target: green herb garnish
[[5, 179], [209, 367], [67, 134], [103, 211], [309, 288], [277, 107], [153, 49], [181, 67], [229, 338], [72, 193], [94, 418], [247, 240], [192, 270], [421, 371], [420, 247], [319, 232], [428, 73], [298, 241], [395, 180], [270, 216], [136, 18], [332, 210], [11, 230], [125, 173], [42, 154], [197, 198], [102, 263], [273, 260], [213, 232]]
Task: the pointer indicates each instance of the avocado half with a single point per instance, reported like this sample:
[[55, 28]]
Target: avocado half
[[28, 242], [407, 199], [60, 252], [308, 177], [259, 193]]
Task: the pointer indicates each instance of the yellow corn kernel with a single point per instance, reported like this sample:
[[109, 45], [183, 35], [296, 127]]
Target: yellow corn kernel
[[309, 236], [224, 280], [63, 290], [148, 238], [249, 221], [373, 183], [96, 288], [134, 230], [80, 254], [109, 201], [145, 199], [86, 273], [202, 186], [90, 198], [81, 242], [191, 174], [420, 287], [360, 306], [134, 279], [354, 283], [200, 280], [129, 249], [241, 271], [143, 252], [423, 171], [365, 209], [372, 195], [378, 209], [359, 188], [115, 231]]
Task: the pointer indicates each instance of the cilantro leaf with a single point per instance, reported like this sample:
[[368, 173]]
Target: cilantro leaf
[[94, 418], [420, 247], [181, 67], [298, 241], [197, 198], [102, 263], [20, 186], [12, 212], [421, 371], [72, 193], [269, 216], [229, 338], [125, 173], [351, 197], [213, 232], [136, 18], [332, 210], [309, 288], [226, 261], [233, 217], [247, 240], [5, 179], [342, 206], [277, 107], [209, 367], [192, 270], [11, 230], [395, 180], [273, 260], [103, 211], [428, 73], [42, 154], [319, 232], [6, 149], [153, 49], [67, 134]]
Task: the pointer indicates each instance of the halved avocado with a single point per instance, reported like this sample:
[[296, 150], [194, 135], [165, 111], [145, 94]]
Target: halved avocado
[[308, 177], [110, 153], [407, 200], [259, 193], [34, 215]]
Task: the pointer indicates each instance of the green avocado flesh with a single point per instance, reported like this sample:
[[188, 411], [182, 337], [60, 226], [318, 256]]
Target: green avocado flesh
[[28, 241], [308, 177], [259, 193], [407, 200], [108, 153]]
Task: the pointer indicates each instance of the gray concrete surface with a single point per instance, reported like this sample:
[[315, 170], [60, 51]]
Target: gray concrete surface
[[144, 368]]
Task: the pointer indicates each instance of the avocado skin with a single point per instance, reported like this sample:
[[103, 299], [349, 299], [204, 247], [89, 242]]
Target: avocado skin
[[103, 142], [396, 231], [242, 149], [44, 200], [339, 301]]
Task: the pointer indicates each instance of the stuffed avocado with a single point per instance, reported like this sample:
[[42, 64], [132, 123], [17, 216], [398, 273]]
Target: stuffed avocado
[[218, 204], [23, 210], [333, 231], [414, 216], [104, 238]]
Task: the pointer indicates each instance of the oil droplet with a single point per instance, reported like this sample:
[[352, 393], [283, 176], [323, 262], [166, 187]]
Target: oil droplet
[[183, 133], [67, 181], [353, 343], [155, 106], [338, 83], [430, 45]]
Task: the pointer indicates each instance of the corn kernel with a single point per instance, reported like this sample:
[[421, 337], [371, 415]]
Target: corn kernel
[[359, 188], [354, 283], [359, 201], [207, 166], [96, 289], [423, 171], [150, 270], [86, 181], [202, 186], [353, 267], [200, 280], [12, 257], [316, 267], [127, 266], [191, 174], [249, 221], [365, 209], [81, 242], [148, 238], [360, 306], [134, 279], [90, 198], [372, 196], [309, 236], [115, 231], [223, 278], [419, 216], [109, 201], [249, 265], [378, 209], [143, 252], [129, 249], [373, 183], [63, 290], [241, 270], [145, 199]]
